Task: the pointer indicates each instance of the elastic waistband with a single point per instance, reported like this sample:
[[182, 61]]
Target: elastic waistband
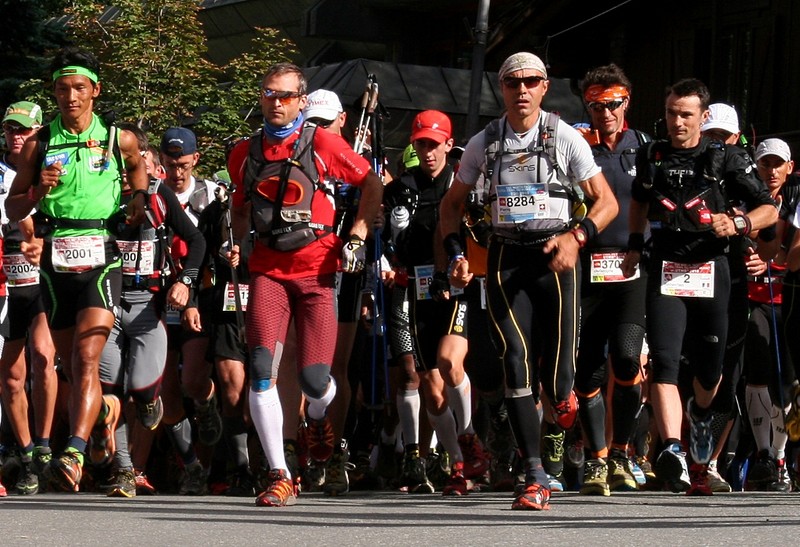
[[526, 240]]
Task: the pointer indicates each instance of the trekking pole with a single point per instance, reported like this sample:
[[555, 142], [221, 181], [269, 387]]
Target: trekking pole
[[222, 193], [775, 336], [368, 103]]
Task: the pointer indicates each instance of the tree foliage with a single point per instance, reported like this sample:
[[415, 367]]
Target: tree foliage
[[154, 71]]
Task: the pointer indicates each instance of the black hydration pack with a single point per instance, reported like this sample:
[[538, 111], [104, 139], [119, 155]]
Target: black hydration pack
[[282, 194], [685, 201]]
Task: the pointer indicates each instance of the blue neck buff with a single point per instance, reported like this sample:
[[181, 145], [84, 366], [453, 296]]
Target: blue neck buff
[[281, 133]]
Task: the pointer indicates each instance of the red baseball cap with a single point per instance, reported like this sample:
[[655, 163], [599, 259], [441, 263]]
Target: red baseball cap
[[431, 124]]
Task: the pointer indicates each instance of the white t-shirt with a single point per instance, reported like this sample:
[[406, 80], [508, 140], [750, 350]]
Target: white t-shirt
[[530, 170]]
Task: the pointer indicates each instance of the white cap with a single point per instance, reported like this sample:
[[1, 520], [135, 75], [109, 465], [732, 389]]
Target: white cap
[[521, 61], [323, 104], [773, 147], [722, 116]]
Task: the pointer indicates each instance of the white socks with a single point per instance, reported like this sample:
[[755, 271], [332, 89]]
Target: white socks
[[267, 415]]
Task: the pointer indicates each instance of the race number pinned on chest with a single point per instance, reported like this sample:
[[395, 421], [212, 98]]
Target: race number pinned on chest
[[517, 203], [687, 280], [229, 303], [19, 272], [137, 258], [78, 254], [605, 268], [422, 282]]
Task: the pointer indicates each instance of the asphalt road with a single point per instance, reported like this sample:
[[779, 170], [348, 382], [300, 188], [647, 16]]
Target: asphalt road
[[389, 518]]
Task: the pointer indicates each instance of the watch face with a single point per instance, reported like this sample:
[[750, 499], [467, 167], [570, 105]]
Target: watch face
[[186, 281]]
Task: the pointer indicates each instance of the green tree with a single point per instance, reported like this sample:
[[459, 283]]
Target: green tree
[[154, 72]]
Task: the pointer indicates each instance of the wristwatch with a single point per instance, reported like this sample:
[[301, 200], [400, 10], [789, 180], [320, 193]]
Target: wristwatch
[[186, 280], [740, 224], [580, 236]]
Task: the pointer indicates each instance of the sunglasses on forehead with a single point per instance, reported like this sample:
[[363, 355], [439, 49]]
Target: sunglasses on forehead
[[285, 97], [529, 81], [610, 105]]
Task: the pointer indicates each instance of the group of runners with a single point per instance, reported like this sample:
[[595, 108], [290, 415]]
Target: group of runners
[[574, 307]]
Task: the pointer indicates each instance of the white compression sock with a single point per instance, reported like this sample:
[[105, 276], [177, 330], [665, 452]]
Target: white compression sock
[[408, 405], [267, 415], [759, 409], [317, 407], [459, 398], [445, 426]]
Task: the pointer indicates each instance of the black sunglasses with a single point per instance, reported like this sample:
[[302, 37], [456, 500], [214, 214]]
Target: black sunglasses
[[610, 105], [529, 81]]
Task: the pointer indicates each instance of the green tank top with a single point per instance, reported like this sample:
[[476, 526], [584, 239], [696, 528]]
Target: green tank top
[[91, 185]]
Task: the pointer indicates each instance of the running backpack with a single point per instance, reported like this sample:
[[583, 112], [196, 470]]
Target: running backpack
[[45, 224], [282, 194], [546, 144]]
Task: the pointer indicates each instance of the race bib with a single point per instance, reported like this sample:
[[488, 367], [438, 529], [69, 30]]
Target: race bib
[[173, 315], [517, 203], [134, 256], [78, 254], [422, 282], [687, 280], [229, 303], [19, 271], [605, 268]]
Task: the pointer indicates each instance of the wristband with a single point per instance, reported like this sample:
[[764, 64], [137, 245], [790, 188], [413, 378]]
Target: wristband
[[636, 242], [742, 224], [452, 246], [139, 191], [589, 227]]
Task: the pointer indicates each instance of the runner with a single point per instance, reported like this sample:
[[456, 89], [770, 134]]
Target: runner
[[76, 185]]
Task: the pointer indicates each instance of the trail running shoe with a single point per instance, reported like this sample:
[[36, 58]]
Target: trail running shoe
[[762, 473], [65, 472], [280, 491], [672, 470], [620, 472], [102, 436], [476, 459], [42, 456], [3, 491], [456, 484], [534, 497], [319, 439], [337, 481], [195, 480], [714, 480], [209, 421], [783, 483], [27, 481], [413, 477], [566, 412], [242, 484], [150, 414], [699, 482], [123, 484], [553, 453], [143, 485], [437, 468], [701, 437], [595, 478]]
